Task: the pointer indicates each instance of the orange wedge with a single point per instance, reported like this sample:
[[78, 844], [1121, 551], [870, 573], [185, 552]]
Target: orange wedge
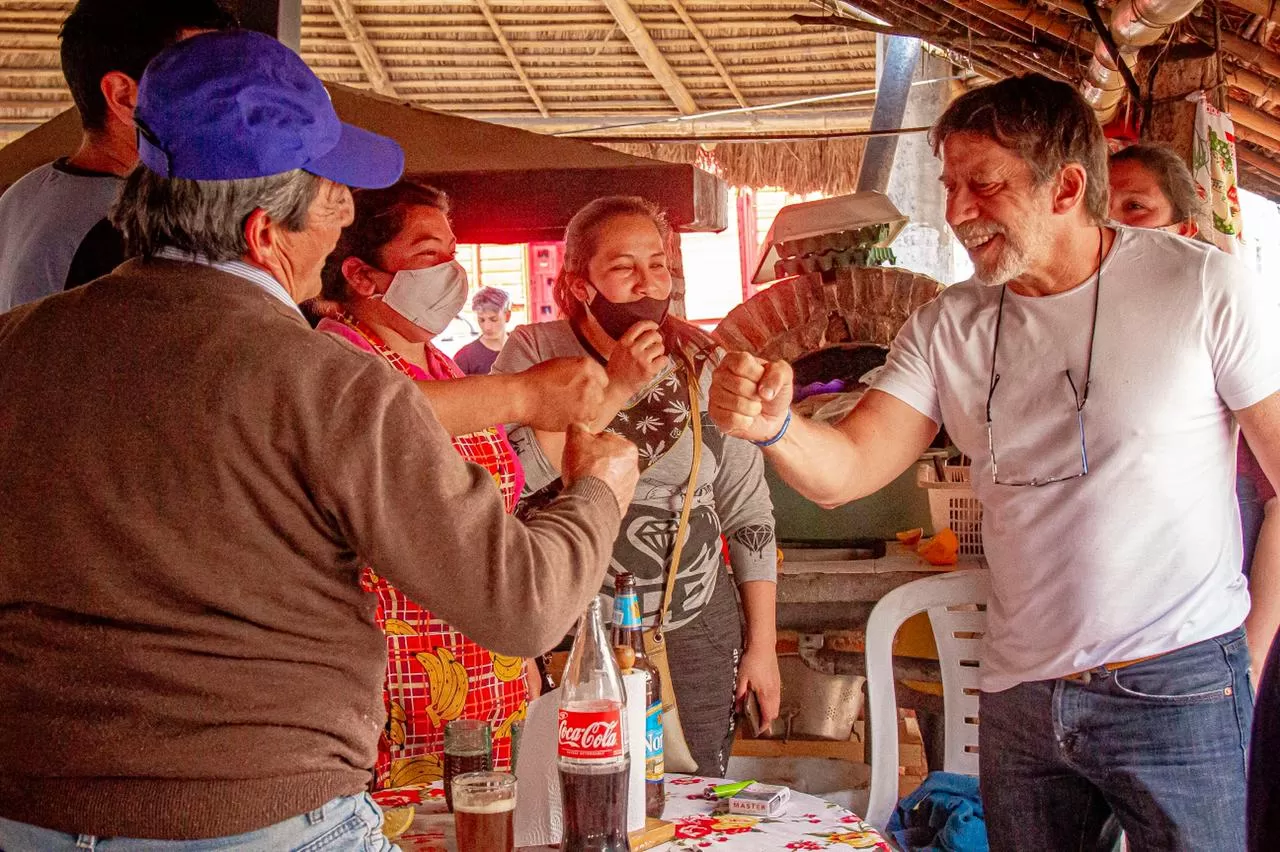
[[942, 549], [910, 538]]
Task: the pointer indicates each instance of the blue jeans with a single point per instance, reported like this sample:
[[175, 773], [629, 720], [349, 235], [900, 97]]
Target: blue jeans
[[345, 824], [1160, 744]]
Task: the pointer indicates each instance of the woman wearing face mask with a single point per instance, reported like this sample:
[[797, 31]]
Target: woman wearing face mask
[[614, 291], [390, 286], [1152, 188]]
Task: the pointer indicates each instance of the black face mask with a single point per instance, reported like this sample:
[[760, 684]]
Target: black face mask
[[616, 317]]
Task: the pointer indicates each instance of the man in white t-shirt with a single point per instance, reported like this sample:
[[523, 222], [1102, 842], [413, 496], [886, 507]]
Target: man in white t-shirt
[[1095, 374]]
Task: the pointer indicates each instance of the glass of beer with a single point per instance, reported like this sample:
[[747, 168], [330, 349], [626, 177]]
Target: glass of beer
[[484, 806], [468, 747]]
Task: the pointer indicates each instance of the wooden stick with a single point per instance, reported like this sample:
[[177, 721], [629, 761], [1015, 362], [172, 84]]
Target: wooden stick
[[633, 28], [511, 55], [710, 51], [366, 54]]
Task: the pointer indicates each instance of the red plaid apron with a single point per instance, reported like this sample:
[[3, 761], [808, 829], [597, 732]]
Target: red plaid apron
[[434, 673]]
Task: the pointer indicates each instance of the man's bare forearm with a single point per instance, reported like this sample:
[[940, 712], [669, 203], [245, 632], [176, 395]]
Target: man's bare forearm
[[872, 446]]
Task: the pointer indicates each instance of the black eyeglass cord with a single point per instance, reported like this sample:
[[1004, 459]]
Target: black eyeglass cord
[[1093, 331]]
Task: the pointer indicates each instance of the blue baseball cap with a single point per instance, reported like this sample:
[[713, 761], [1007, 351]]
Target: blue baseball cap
[[238, 104]]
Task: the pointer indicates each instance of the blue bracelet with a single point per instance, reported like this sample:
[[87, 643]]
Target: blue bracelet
[[778, 437]]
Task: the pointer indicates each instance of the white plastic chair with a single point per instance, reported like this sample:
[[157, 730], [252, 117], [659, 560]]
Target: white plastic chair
[[958, 633]]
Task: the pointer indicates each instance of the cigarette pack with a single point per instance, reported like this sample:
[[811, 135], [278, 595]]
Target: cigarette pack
[[760, 800]]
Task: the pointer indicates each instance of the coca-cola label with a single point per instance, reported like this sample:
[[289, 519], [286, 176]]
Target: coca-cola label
[[591, 735]]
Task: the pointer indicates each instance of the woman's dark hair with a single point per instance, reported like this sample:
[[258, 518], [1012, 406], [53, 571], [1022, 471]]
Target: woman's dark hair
[[582, 240], [379, 217], [1045, 122], [1171, 173], [100, 36]]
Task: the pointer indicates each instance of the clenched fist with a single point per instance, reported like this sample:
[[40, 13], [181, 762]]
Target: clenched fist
[[562, 391], [750, 397], [639, 356], [604, 456]]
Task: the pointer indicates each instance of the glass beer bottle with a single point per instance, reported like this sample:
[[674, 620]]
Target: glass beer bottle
[[628, 631]]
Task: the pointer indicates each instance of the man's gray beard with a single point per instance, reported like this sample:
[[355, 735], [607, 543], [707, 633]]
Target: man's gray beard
[[1011, 264], [1014, 262]]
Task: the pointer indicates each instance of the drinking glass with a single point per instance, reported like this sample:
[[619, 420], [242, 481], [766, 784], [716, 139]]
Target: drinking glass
[[468, 747], [484, 807]]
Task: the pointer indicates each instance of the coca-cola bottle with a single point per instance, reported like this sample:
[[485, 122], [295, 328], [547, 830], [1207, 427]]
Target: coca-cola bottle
[[628, 631], [593, 755]]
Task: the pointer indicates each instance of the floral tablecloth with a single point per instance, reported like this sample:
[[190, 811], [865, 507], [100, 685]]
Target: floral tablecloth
[[808, 823]]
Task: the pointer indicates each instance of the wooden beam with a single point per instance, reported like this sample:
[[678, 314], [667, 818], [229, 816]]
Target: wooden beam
[[1255, 84], [1251, 52], [1255, 119], [710, 51], [1268, 9], [1263, 164], [1038, 20], [511, 56], [345, 12], [633, 28]]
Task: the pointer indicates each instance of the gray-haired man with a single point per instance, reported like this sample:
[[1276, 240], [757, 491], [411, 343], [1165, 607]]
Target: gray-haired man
[[1096, 376], [193, 479]]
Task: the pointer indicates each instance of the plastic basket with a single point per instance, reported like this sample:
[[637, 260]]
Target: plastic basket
[[952, 504]]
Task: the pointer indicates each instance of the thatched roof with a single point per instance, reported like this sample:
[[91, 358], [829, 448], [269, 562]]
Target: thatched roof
[[566, 65]]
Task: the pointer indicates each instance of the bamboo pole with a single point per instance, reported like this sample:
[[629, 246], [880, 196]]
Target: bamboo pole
[[709, 51], [1253, 83], [1269, 10], [1261, 163], [511, 55], [633, 28], [1252, 52], [345, 12], [1255, 119]]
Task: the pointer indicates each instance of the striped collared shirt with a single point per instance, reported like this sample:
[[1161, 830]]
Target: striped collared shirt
[[247, 271]]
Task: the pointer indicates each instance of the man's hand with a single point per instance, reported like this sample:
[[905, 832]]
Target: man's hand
[[750, 397], [562, 391], [604, 456], [639, 356]]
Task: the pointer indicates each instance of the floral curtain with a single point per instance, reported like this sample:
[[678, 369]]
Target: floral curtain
[[1213, 163]]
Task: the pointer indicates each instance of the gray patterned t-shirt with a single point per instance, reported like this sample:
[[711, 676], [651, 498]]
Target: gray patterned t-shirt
[[731, 498]]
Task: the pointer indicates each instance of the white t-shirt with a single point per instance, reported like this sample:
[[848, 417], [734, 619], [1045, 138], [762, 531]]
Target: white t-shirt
[[1142, 555]]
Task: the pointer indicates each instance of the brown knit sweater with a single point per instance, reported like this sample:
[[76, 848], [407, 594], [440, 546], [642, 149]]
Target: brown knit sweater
[[191, 478]]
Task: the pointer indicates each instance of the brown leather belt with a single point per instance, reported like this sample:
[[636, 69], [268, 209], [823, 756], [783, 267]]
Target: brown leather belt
[[1106, 668]]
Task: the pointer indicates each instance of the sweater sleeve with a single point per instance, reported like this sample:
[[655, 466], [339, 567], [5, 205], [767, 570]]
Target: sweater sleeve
[[434, 525]]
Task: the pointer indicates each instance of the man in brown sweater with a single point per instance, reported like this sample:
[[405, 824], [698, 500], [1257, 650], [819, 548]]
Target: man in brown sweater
[[192, 479]]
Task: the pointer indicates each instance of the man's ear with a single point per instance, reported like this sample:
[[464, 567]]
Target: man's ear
[[1070, 188], [360, 276], [121, 94], [260, 237], [1188, 229]]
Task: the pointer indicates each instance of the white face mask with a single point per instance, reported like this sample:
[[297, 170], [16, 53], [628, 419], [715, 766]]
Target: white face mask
[[429, 298]]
